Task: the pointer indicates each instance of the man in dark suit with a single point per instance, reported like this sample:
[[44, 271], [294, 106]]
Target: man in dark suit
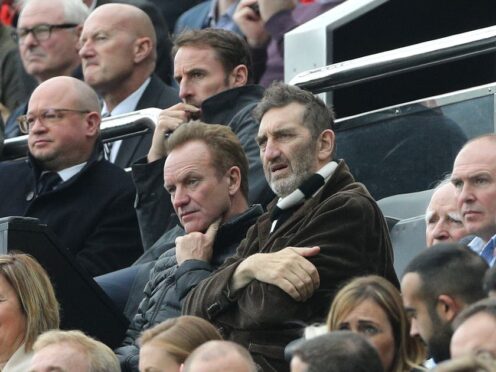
[[86, 201], [118, 52]]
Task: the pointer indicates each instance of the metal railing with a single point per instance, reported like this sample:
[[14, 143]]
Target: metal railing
[[111, 129], [393, 62]]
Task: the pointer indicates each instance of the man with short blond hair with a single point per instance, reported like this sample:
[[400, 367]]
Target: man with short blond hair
[[213, 70]]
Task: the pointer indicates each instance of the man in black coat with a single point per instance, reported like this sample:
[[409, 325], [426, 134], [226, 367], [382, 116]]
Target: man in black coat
[[118, 53], [66, 183], [212, 68]]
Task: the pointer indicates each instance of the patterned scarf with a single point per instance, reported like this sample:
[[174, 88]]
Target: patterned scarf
[[287, 205]]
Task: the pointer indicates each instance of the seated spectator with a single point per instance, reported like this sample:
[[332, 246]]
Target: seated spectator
[[340, 351], [72, 351], [210, 13], [212, 68], [12, 91], [264, 28], [163, 65], [167, 345], [323, 230], [66, 184], [47, 33], [474, 177], [475, 329], [214, 356], [206, 175], [442, 218], [172, 9], [436, 285], [372, 306], [118, 53], [28, 308]]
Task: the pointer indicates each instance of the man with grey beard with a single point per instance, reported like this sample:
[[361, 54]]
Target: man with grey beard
[[323, 230]]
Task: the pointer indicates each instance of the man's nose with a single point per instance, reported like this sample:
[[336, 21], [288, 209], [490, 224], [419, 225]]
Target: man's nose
[[184, 89], [271, 150], [180, 198], [29, 40], [465, 195], [85, 49], [440, 231]]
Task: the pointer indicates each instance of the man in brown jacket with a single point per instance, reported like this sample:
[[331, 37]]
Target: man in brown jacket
[[322, 231]]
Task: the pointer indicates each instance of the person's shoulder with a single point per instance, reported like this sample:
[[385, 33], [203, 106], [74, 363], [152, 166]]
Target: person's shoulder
[[193, 18], [10, 166], [106, 171]]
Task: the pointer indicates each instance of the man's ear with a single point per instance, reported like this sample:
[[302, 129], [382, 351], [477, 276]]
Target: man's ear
[[92, 124], [78, 30], [447, 307], [142, 48], [233, 176], [238, 76], [326, 145]]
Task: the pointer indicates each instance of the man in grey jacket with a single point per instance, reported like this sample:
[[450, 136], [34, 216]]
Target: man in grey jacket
[[206, 175]]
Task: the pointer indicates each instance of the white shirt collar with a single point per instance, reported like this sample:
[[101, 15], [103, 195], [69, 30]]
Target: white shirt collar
[[70, 172], [478, 245], [129, 103]]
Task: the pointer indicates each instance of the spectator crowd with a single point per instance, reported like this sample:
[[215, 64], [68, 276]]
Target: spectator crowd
[[230, 237]]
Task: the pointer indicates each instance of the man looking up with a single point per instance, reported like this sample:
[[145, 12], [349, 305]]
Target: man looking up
[[85, 200], [48, 34], [474, 177], [437, 284], [205, 174], [212, 68], [118, 53], [324, 229]]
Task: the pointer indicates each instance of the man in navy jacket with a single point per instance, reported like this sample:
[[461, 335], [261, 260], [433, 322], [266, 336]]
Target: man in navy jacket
[[66, 183]]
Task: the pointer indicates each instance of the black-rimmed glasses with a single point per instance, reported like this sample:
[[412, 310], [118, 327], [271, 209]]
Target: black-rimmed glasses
[[46, 117], [40, 32]]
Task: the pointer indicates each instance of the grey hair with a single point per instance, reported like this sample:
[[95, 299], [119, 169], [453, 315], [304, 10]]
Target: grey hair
[[75, 11]]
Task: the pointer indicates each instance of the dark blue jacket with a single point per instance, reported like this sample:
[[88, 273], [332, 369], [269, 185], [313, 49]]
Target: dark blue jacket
[[92, 213]]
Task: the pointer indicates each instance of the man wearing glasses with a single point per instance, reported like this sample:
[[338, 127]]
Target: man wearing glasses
[[48, 33], [66, 183]]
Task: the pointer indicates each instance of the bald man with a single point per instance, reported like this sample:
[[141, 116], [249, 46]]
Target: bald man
[[442, 218], [215, 356], [65, 183], [474, 177], [118, 53]]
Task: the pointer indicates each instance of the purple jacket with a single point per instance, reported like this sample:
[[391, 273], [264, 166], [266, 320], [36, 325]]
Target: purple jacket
[[269, 61]]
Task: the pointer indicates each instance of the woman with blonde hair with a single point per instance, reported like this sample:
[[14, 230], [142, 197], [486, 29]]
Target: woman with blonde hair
[[167, 345], [372, 306], [28, 307]]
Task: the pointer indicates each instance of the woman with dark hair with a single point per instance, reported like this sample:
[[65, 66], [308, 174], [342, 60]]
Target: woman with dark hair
[[372, 306]]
